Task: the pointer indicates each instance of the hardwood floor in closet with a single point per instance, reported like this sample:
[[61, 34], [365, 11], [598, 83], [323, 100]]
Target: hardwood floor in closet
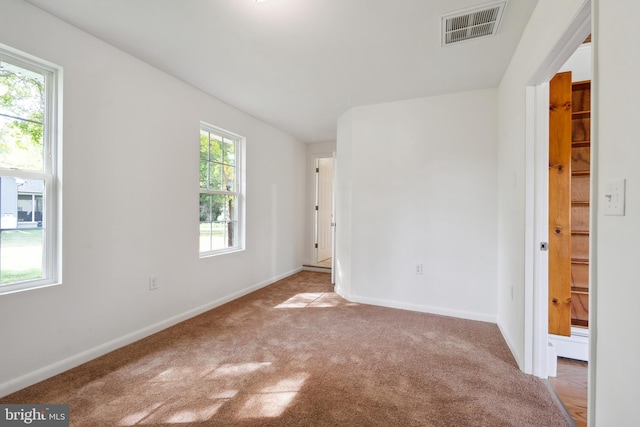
[[571, 386]]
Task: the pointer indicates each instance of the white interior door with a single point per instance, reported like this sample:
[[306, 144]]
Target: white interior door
[[324, 209], [333, 221]]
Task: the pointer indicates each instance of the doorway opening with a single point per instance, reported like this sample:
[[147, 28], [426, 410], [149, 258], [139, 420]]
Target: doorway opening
[[323, 212], [569, 230], [569, 206], [540, 353]]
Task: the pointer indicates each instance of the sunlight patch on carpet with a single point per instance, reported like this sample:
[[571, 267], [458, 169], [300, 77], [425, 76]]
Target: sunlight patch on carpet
[[224, 394], [178, 373], [185, 409], [195, 415], [314, 299], [135, 418], [273, 400], [237, 369]]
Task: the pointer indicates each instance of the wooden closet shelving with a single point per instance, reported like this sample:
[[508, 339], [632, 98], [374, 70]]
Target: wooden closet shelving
[[580, 203]]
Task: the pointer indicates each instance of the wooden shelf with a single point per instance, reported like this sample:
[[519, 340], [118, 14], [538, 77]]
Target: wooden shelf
[[581, 85], [580, 183], [580, 232], [569, 189], [581, 144], [580, 323]]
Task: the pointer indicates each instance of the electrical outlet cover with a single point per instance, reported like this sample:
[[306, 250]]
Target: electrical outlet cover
[[614, 197]]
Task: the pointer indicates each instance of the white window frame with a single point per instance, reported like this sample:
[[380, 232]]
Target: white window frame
[[52, 173], [239, 192]]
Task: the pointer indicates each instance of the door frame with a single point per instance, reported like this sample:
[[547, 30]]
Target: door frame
[[311, 201], [536, 351]]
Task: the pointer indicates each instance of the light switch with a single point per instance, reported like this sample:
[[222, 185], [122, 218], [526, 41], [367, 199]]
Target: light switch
[[614, 197]]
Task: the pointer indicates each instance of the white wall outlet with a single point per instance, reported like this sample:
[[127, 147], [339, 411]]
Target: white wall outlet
[[418, 269], [614, 197], [153, 284]]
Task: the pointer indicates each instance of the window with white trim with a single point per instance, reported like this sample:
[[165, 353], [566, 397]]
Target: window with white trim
[[29, 172], [221, 191]]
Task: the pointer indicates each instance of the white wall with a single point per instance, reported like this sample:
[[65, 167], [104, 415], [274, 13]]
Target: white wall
[[321, 149], [616, 383], [130, 205], [344, 202], [422, 177], [547, 25]]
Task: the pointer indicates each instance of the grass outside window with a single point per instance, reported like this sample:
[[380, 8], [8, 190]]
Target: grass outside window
[[20, 255]]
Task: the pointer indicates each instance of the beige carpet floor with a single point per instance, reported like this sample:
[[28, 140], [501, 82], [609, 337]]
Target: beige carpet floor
[[296, 354]]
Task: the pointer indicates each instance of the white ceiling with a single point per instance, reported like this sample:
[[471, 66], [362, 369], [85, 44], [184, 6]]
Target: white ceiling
[[300, 64]]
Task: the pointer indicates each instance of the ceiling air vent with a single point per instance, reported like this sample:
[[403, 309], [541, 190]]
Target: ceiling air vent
[[472, 23]]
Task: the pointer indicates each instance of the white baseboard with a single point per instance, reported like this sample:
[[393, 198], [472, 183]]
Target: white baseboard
[[316, 269], [514, 350], [574, 347], [422, 308], [552, 360], [58, 367]]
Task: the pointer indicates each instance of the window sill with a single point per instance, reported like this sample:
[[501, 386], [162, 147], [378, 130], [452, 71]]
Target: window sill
[[24, 287], [220, 252]]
